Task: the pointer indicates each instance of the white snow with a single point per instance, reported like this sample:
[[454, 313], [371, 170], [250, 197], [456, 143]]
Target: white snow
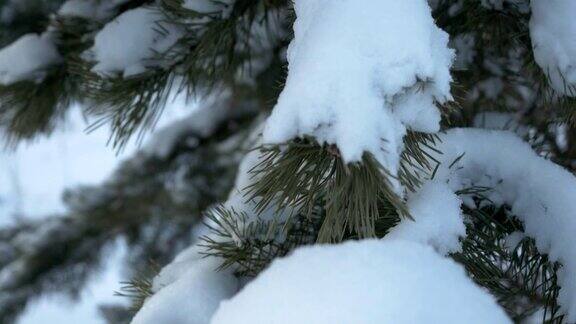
[[362, 282], [437, 220], [133, 42], [28, 58], [90, 9], [553, 30], [353, 72], [540, 193], [188, 291]]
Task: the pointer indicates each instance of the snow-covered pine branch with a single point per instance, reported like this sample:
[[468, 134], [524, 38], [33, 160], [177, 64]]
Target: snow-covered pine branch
[[360, 73], [539, 192], [365, 78]]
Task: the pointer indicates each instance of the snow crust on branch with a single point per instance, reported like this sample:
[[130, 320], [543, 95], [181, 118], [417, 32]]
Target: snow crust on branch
[[539, 192], [28, 58], [553, 30], [366, 281], [90, 9], [360, 73], [133, 42]]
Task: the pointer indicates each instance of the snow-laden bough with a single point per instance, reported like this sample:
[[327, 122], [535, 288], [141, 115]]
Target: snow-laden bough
[[360, 73], [539, 192]]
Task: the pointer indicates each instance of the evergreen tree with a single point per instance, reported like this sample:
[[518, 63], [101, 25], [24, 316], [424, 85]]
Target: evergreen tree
[[379, 149]]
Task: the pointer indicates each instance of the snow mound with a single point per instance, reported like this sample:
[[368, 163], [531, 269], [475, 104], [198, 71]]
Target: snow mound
[[438, 220], [28, 58], [362, 282], [133, 42], [540, 193], [553, 30], [187, 291], [360, 73], [90, 9]]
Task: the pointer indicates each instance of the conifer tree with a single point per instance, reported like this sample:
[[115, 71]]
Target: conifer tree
[[350, 160]]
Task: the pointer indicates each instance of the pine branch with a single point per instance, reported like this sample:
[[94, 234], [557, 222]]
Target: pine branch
[[522, 279], [357, 196], [139, 288], [28, 109], [249, 245]]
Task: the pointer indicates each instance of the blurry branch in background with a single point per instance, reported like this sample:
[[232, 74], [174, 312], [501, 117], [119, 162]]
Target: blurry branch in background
[[151, 203]]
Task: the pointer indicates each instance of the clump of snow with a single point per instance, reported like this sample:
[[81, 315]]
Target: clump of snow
[[552, 29], [188, 291], [133, 42], [539, 192], [90, 9], [362, 282], [28, 58], [354, 72], [437, 220]]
